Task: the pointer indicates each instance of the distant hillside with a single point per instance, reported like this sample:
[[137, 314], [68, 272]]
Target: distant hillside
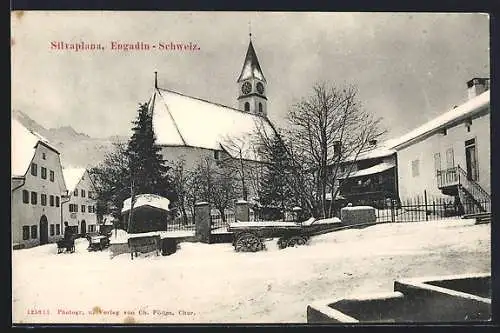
[[77, 149]]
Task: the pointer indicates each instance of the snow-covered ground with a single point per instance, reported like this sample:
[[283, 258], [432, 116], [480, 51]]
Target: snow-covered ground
[[204, 283]]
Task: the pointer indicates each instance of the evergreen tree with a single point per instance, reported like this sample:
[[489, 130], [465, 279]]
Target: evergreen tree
[[275, 186], [148, 171]]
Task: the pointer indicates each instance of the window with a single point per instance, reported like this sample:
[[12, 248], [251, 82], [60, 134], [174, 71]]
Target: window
[[51, 176], [73, 208], [83, 208], [90, 209], [260, 107], [51, 201], [83, 193], [91, 228], [26, 232], [26, 196], [414, 168], [437, 162], [52, 230], [34, 169], [247, 106], [43, 199], [58, 229], [57, 201], [34, 232], [44, 156], [34, 197], [336, 148], [444, 131], [216, 155], [75, 192], [44, 173], [450, 158]]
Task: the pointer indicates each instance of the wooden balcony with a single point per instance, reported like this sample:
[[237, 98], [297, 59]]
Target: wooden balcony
[[447, 178]]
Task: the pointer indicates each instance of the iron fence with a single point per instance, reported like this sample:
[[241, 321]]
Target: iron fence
[[181, 223], [217, 222], [421, 208]]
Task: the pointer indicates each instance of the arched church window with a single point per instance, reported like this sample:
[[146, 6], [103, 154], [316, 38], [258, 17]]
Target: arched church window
[[247, 106], [260, 107]]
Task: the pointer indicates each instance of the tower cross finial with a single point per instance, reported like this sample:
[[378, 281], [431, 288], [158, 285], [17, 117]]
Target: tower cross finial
[[250, 29]]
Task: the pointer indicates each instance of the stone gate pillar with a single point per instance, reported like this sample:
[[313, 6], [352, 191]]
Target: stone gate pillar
[[202, 222], [242, 212]]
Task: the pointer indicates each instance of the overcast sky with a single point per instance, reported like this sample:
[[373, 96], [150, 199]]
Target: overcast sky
[[409, 68]]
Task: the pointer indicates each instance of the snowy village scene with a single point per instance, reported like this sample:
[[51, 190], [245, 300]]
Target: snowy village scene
[[250, 167]]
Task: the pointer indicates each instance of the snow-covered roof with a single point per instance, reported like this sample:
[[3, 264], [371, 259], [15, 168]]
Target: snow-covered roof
[[381, 150], [460, 113], [72, 177], [24, 143], [373, 170], [251, 67], [152, 200], [180, 120]]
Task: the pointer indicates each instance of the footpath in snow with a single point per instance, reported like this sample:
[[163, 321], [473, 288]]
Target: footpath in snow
[[210, 283]]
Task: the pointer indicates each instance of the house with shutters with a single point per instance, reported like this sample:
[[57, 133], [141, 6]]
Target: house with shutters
[[450, 155], [80, 210], [192, 129], [37, 189]]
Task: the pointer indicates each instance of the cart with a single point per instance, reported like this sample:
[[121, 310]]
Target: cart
[[250, 236]]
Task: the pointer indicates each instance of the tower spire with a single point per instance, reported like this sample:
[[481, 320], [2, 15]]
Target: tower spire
[[156, 80]]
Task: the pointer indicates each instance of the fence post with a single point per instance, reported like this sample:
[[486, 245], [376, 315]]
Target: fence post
[[425, 202], [202, 221], [393, 217], [242, 212]]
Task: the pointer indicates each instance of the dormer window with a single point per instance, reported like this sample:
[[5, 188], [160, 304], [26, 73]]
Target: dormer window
[[216, 155], [444, 131]]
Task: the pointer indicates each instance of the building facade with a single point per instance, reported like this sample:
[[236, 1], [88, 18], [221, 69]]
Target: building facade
[[80, 209], [450, 155], [371, 179], [37, 189]]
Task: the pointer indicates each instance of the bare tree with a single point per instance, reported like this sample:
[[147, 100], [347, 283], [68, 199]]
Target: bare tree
[[329, 127], [324, 130], [215, 184]]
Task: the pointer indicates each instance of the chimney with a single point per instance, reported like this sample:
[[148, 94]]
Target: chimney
[[477, 86]]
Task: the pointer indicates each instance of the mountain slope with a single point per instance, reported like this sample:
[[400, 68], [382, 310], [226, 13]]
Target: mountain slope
[[77, 149]]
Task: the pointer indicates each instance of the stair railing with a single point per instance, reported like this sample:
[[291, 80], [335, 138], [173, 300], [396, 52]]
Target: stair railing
[[471, 186]]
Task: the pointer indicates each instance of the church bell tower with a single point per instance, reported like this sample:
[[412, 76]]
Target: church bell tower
[[252, 85]]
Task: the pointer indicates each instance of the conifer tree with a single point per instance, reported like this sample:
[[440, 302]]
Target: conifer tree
[[275, 187], [147, 168]]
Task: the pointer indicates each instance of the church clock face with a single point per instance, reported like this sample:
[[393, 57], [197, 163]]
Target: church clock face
[[260, 88], [246, 88]]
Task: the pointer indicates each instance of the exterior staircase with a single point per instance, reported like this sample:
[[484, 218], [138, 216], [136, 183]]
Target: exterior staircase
[[473, 197]]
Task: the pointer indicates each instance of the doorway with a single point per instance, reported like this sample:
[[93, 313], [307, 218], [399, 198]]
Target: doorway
[[83, 227], [44, 230], [471, 159]]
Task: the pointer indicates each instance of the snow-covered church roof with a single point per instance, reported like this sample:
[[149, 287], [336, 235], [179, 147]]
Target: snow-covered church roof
[[23, 146], [180, 120], [251, 67], [72, 177]]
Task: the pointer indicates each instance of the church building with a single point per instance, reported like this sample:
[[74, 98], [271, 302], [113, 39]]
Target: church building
[[192, 129]]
